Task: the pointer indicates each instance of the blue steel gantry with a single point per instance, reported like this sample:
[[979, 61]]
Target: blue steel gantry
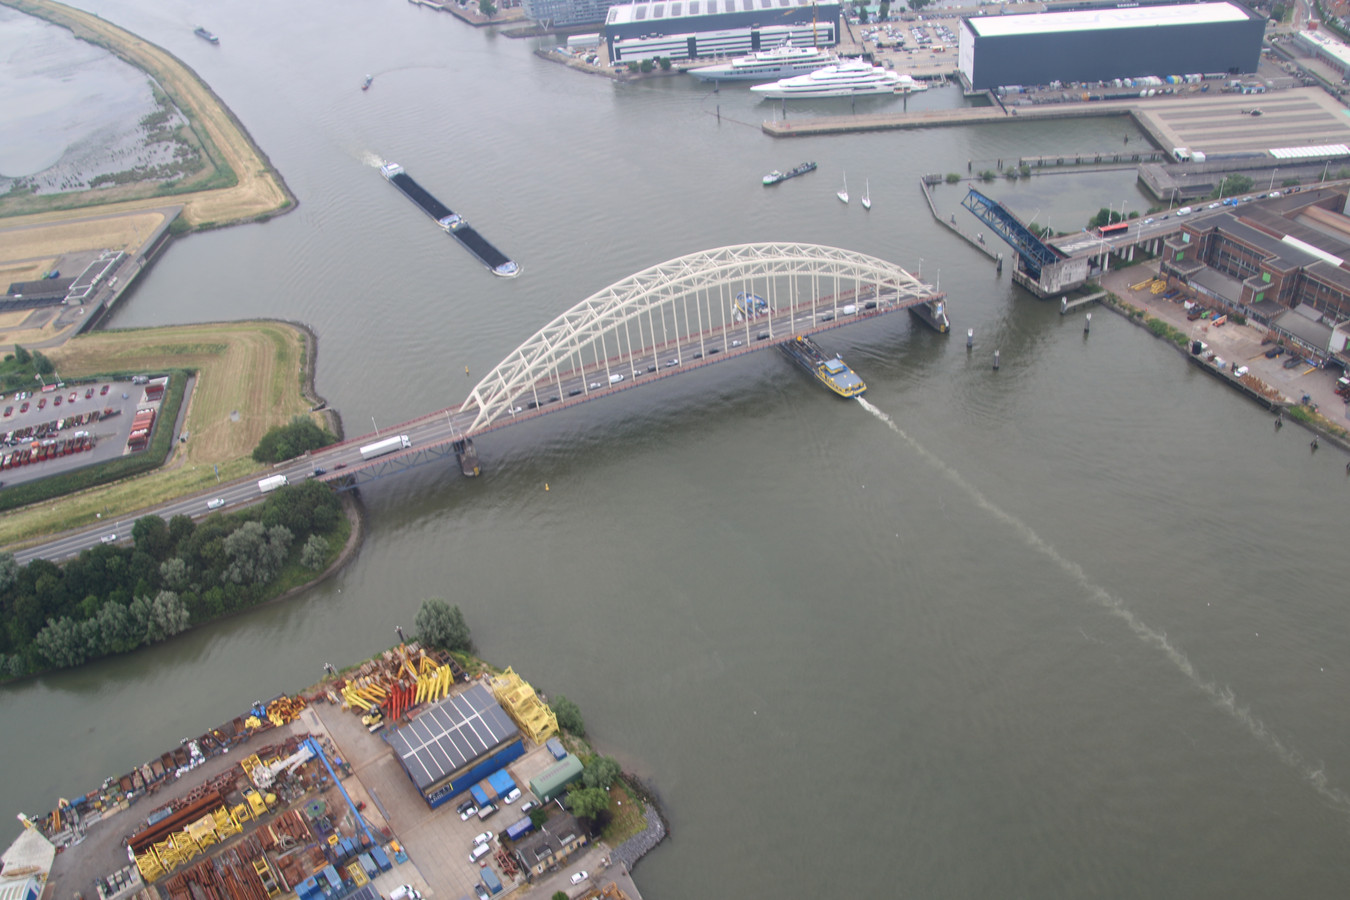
[[1035, 253]]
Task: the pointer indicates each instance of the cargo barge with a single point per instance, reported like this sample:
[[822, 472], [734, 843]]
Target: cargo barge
[[830, 371], [499, 263]]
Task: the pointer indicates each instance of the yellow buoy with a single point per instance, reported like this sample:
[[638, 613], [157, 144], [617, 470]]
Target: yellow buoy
[[545, 485]]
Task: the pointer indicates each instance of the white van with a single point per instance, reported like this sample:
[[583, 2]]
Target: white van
[[405, 892], [615, 379], [1183, 211], [479, 851]]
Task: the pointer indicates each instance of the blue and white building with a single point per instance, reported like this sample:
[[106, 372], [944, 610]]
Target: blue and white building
[[697, 29]]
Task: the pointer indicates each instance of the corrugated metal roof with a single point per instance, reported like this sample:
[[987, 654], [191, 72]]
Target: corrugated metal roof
[[1107, 19], [451, 734], [1327, 44], [657, 10]]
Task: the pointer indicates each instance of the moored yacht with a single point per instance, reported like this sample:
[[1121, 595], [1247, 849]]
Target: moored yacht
[[850, 79], [780, 62]]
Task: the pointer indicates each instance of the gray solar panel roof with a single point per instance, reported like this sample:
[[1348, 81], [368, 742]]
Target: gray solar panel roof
[[452, 734]]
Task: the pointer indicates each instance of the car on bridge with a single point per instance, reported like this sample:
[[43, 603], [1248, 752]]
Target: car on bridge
[[216, 503], [672, 362]]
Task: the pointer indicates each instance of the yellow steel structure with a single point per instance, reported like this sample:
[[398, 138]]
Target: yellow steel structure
[[358, 874], [181, 846], [522, 704], [269, 881]]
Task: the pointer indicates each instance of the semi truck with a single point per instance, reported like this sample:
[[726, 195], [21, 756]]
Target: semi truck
[[271, 483], [388, 445]]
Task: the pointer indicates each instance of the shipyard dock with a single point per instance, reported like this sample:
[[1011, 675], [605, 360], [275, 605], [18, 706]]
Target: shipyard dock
[[496, 261]]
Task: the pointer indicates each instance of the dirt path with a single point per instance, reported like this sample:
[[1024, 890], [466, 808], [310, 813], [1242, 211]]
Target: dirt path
[[259, 192]]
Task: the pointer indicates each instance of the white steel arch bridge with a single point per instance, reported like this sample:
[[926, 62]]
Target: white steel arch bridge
[[694, 311], [690, 309]]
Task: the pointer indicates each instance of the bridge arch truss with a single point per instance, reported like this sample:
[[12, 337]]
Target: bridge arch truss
[[709, 297]]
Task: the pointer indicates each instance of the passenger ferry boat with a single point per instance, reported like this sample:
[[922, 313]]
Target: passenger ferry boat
[[830, 371], [850, 79], [780, 62]]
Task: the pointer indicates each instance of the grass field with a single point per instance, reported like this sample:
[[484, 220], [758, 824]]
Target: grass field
[[249, 378], [243, 185]]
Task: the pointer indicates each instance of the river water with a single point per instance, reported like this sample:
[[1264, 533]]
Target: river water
[[1067, 629]]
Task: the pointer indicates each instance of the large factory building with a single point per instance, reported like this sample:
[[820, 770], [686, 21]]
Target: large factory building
[[689, 29], [1100, 44]]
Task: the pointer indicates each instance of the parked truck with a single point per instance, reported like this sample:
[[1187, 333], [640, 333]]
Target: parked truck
[[388, 445], [271, 483]]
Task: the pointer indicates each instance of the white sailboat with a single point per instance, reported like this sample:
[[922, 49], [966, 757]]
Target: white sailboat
[[843, 195], [867, 194]]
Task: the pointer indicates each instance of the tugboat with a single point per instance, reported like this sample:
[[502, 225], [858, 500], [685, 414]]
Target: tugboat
[[206, 35], [776, 176], [829, 371], [365, 85]]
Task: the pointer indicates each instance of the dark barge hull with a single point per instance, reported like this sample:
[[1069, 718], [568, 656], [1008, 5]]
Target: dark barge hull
[[462, 231]]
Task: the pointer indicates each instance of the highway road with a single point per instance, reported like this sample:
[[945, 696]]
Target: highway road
[[430, 436]]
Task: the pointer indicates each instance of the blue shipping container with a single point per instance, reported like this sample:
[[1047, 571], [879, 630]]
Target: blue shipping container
[[555, 747], [381, 858], [479, 795], [519, 829], [494, 884], [500, 782], [368, 864]]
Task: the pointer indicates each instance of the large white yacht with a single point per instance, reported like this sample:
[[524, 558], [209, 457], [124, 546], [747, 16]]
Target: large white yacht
[[780, 62], [849, 79]]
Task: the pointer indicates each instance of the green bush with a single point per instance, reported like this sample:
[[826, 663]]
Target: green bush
[[284, 442], [953, 178]]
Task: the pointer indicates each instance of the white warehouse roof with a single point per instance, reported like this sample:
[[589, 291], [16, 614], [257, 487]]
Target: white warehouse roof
[[652, 10], [1106, 19], [1328, 44]]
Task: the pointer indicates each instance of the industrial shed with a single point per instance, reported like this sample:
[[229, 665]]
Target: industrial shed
[[690, 29], [1101, 44], [456, 743], [551, 782]]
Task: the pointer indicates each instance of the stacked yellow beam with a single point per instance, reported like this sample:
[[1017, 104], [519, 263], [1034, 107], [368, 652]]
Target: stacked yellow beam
[[366, 692], [357, 873], [522, 704]]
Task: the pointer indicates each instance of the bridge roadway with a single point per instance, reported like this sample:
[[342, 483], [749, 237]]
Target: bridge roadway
[[433, 435]]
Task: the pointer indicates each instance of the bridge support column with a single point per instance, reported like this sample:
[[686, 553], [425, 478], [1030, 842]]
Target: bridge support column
[[1130, 257]]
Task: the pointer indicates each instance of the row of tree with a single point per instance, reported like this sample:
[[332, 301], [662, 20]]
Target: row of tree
[[176, 574]]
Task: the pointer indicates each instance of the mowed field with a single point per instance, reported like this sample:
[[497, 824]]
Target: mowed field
[[250, 378]]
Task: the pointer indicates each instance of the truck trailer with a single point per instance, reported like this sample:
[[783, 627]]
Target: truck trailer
[[388, 445], [271, 483]]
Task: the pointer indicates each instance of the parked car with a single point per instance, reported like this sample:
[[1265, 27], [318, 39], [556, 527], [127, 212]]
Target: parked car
[[579, 877], [513, 796], [405, 892], [88, 393], [484, 838], [466, 811], [1274, 352], [24, 408], [9, 410], [42, 402], [465, 807], [56, 402], [104, 390], [1293, 361], [74, 395], [527, 806]]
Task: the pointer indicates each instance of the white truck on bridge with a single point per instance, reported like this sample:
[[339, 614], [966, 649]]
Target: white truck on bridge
[[272, 482], [388, 445]]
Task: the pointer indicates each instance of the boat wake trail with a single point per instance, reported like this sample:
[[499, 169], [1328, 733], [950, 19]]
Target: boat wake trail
[[1222, 696]]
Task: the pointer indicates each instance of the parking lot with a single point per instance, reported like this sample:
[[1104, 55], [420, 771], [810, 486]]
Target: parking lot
[[52, 416]]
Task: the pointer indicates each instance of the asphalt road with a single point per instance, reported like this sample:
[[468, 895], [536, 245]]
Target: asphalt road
[[440, 429]]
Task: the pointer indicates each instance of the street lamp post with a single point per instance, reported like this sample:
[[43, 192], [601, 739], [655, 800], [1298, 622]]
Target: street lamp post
[[1324, 170], [1272, 179], [377, 428]]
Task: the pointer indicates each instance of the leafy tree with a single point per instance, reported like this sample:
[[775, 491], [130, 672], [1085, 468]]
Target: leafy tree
[[1232, 184], [255, 553], [646, 66], [22, 356], [862, 12], [117, 629], [1290, 182], [487, 8], [61, 643], [953, 178], [988, 175], [918, 4], [289, 441], [42, 364], [315, 552], [9, 572], [884, 11], [568, 715], [632, 67], [441, 625], [600, 772], [588, 803], [664, 63], [151, 535], [167, 617], [1105, 216], [560, 895], [174, 573]]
